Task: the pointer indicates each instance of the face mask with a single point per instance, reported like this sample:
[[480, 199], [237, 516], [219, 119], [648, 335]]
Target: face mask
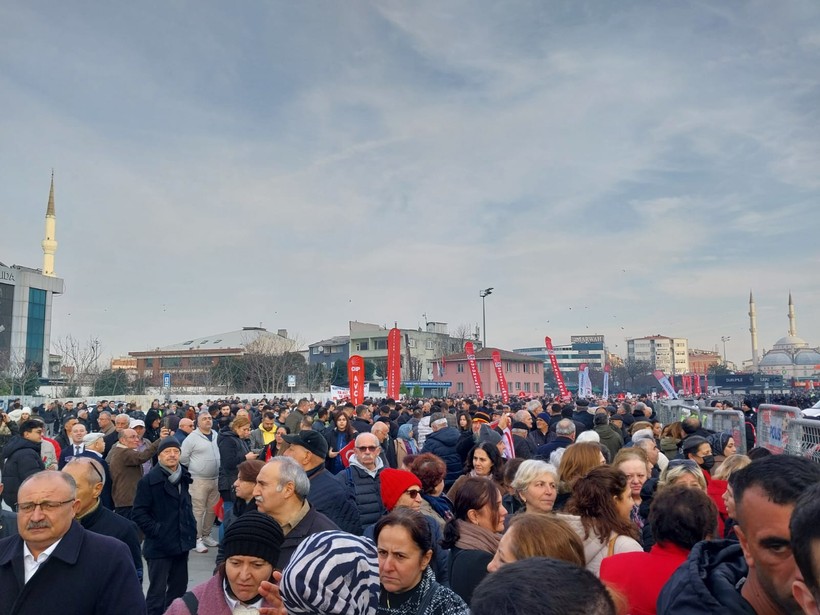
[[708, 462]]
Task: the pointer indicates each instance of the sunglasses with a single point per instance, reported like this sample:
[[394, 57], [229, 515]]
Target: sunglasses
[[414, 493], [367, 449]]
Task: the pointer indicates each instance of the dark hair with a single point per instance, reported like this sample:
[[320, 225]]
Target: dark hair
[[349, 429], [429, 469], [758, 452], [510, 468], [249, 469], [474, 494], [269, 415], [575, 590], [805, 533], [469, 420], [413, 521], [783, 478], [497, 471], [30, 425], [593, 500], [683, 516]]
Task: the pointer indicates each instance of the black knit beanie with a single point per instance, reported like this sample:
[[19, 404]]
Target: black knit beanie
[[255, 534]]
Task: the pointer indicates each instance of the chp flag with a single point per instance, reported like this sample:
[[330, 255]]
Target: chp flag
[[664, 382], [556, 371], [605, 391], [502, 379], [355, 376], [469, 350], [393, 363]]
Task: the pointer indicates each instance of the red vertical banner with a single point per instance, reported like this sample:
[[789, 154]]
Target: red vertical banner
[[672, 381], [502, 379], [355, 376], [556, 371], [393, 363], [697, 384], [469, 349]]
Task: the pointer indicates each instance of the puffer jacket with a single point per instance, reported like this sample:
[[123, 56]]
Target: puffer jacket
[[331, 499], [21, 460], [442, 443], [707, 582], [365, 487]]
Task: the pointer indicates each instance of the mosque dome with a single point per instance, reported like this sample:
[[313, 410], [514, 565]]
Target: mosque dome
[[790, 342], [807, 357], [776, 358]]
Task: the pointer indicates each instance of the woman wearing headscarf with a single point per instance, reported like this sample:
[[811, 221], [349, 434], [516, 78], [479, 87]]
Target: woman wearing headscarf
[[723, 446], [332, 573], [251, 545], [405, 443]]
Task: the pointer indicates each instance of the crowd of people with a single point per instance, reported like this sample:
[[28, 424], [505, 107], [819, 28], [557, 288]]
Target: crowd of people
[[439, 506]]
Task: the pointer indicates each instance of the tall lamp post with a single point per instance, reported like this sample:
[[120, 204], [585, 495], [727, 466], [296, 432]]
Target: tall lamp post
[[724, 339], [483, 294]]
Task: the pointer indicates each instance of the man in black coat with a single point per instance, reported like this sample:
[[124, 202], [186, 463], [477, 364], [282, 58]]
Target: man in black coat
[[565, 430], [22, 458], [85, 573], [443, 443], [163, 511], [89, 475], [8, 521], [309, 449]]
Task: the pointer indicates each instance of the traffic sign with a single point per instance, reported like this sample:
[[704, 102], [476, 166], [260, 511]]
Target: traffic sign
[[166, 380], [291, 381]]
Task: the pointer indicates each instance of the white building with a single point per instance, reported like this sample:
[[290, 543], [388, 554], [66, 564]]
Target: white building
[[668, 354]]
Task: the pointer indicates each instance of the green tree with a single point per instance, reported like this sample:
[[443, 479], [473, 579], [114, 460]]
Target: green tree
[[369, 369], [338, 373], [112, 382], [717, 369]]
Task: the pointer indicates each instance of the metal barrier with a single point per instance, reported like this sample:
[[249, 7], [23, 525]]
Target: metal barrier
[[804, 439], [731, 421], [673, 410], [773, 426]]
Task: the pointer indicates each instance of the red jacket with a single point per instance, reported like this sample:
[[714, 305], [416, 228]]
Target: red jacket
[[639, 577], [715, 489]]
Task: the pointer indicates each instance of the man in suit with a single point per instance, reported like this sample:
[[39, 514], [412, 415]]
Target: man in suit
[[75, 447], [42, 568]]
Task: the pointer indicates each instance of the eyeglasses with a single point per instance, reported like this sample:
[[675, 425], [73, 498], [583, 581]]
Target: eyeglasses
[[45, 506], [414, 493], [367, 449]]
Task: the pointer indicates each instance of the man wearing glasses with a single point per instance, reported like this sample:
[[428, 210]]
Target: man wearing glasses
[[53, 556], [361, 478]]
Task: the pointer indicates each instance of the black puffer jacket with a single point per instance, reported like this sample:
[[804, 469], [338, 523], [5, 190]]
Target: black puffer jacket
[[366, 491], [232, 451], [442, 443], [706, 582], [22, 458]]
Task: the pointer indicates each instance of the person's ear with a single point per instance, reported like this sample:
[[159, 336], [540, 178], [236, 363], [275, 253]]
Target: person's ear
[[425, 559], [805, 598], [744, 544], [472, 515], [97, 490]]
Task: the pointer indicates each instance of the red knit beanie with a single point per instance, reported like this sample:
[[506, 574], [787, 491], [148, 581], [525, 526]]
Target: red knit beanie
[[394, 483]]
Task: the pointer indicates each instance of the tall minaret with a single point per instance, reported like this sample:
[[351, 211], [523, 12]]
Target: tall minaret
[[792, 320], [753, 331], [50, 242]]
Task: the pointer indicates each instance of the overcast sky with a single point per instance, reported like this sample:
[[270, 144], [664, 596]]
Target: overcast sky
[[622, 168]]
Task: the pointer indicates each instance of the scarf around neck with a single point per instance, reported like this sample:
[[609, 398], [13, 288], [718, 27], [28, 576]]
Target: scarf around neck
[[475, 537]]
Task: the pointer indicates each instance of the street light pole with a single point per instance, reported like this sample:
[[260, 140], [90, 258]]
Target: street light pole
[[483, 294], [724, 339]]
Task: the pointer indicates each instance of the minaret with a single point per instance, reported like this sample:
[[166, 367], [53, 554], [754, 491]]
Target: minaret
[[792, 320], [50, 242], [753, 331]]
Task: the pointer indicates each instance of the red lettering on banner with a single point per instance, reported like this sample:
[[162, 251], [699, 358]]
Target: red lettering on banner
[[556, 371], [355, 374], [502, 379], [469, 349], [393, 363]]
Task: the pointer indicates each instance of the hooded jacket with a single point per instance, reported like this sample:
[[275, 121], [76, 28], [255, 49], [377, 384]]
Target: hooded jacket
[[442, 443], [22, 459], [365, 487], [707, 582]]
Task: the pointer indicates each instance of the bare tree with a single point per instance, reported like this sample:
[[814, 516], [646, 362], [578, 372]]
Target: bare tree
[[269, 359], [463, 333], [80, 364]]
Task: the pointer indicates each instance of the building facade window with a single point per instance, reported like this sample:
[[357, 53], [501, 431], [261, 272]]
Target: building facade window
[[170, 362], [362, 346], [411, 343], [535, 387], [149, 362], [429, 345], [35, 336], [460, 387], [380, 344], [200, 361], [460, 368]]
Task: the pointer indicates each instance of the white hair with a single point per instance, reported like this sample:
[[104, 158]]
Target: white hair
[[588, 436]]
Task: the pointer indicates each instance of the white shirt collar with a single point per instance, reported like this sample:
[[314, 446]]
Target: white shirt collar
[[233, 602], [30, 564]]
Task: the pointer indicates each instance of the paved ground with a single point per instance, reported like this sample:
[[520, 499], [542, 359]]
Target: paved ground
[[200, 565]]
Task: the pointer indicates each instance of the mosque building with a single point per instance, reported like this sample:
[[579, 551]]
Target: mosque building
[[790, 357]]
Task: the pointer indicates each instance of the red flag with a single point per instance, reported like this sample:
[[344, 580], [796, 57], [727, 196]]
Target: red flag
[[697, 384], [393, 363], [672, 381], [502, 379], [347, 452], [469, 349], [556, 371], [355, 375]]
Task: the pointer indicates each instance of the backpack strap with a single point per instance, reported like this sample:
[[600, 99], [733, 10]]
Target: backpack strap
[[191, 602]]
